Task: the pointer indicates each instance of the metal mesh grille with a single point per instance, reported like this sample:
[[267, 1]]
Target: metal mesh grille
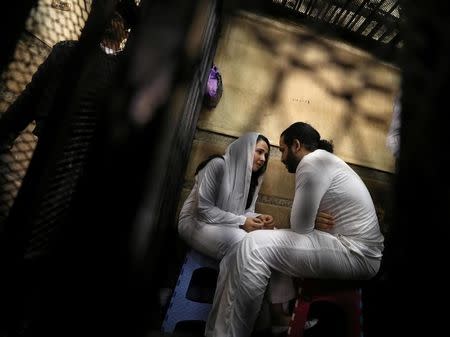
[[55, 198], [68, 169], [64, 95], [56, 20], [30, 52], [48, 23], [376, 20]]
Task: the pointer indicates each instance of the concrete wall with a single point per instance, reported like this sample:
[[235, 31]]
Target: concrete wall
[[276, 73]]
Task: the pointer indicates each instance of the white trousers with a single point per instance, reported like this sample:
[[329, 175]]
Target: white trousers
[[216, 241], [245, 271]]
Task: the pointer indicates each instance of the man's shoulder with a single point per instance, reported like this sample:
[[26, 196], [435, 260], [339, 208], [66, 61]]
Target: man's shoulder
[[320, 155], [317, 156], [318, 160], [64, 46], [60, 52]]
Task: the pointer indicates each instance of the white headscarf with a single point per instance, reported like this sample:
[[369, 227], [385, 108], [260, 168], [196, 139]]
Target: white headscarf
[[237, 175]]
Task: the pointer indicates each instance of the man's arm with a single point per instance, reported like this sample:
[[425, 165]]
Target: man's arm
[[324, 221], [311, 183]]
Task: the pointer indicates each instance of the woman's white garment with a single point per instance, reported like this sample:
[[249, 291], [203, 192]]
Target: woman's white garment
[[215, 208], [352, 251], [211, 215]]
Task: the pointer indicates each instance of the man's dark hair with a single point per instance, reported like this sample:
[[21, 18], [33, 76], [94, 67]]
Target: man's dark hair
[[307, 135], [128, 10], [123, 18]]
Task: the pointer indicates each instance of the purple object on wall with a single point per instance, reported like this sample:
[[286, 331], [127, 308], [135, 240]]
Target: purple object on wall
[[214, 88]]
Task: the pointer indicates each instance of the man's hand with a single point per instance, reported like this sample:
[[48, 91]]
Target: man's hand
[[252, 224], [267, 220], [324, 222]]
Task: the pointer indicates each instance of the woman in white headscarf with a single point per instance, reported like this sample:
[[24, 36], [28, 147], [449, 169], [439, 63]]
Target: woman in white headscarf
[[220, 209]]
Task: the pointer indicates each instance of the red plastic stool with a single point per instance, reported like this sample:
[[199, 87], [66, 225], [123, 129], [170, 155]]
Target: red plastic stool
[[346, 295]]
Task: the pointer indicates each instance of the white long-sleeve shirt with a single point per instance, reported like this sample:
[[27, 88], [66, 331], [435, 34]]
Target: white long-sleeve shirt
[[324, 182]]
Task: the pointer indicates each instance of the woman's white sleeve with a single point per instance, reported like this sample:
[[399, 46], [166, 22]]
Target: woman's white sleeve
[[209, 181], [250, 212]]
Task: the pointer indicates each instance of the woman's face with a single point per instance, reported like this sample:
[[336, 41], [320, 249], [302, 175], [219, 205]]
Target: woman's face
[[260, 156]]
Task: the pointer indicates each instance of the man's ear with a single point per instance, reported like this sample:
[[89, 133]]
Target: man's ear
[[296, 145]]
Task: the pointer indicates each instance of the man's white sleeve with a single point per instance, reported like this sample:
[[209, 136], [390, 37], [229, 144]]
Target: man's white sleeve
[[311, 183]]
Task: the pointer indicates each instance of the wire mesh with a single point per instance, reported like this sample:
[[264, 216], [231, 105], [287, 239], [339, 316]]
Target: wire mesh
[[46, 25], [41, 179], [14, 162], [377, 20]]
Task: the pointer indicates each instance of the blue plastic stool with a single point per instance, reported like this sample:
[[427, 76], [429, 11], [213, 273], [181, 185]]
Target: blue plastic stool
[[181, 308]]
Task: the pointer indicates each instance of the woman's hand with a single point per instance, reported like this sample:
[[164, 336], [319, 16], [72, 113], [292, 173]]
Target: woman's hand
[[267, 220], [252, 224], [324, 222]]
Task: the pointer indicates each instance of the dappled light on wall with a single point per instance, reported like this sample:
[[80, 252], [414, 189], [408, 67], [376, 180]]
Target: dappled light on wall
[[277, 73]]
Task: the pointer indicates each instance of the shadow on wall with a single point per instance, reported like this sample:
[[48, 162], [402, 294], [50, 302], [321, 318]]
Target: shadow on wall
[[276, 73]]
